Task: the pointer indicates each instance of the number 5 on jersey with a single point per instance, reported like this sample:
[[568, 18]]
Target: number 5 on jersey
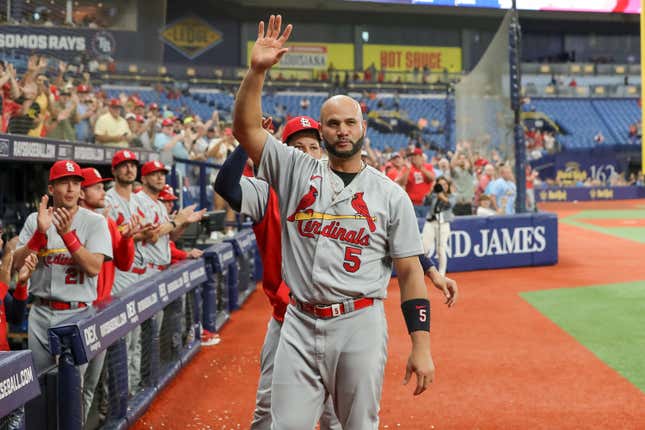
[[352, 262]]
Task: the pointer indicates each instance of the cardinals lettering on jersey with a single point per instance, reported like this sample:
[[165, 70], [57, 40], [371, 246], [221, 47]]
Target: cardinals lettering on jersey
[[340, 227]]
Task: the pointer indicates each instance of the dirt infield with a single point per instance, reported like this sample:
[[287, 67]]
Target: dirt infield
[[501, 364]]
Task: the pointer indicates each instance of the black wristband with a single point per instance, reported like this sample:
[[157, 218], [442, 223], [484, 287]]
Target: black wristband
[[417, 314], [174, 224]]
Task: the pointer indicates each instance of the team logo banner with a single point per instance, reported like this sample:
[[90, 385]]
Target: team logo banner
[[58, 42], [583, 194]]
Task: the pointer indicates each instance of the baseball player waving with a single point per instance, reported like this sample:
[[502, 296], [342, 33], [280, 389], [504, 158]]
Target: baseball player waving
[[344, 226]]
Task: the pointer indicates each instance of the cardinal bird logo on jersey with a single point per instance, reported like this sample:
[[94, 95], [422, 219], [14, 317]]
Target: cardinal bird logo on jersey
[[361, 208], [308, 200], [120, 219]]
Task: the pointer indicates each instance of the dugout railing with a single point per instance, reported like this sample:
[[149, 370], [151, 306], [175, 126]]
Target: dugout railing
[[169, 308], [18, 385]]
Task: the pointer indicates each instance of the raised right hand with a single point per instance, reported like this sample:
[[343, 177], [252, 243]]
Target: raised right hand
[[269, 48], [45, 215]]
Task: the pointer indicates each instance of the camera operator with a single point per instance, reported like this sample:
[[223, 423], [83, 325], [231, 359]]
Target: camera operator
[[437, 227]]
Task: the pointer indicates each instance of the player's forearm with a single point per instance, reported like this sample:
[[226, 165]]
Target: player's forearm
[[176, 233], [247, 114], [411, 283], [421, 339], [89, 263]]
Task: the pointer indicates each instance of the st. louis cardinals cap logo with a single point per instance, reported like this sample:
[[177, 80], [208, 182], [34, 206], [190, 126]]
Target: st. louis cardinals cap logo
[[304, 121], [69, 166]]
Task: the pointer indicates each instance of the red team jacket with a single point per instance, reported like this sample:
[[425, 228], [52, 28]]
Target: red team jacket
[[268, 235], [20, 293], [123, 252]]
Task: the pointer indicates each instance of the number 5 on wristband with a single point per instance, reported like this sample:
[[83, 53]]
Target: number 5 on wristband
[[417, 314]]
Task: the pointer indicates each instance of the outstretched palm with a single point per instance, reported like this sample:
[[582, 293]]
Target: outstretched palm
[[269, 48], [45, 215]]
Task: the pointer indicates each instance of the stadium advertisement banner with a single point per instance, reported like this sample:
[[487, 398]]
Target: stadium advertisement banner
[[583, 194], [18, 380], [191, 36], [601, 6], [58, 42], [27, 148], [303, 55], [398, 58], [571, 168], [97, 328], [478, 243]]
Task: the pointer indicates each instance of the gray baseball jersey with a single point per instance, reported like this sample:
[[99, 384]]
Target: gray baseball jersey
[[57, 276], [338, 241], [157, 253], [121, 211], [255, 196]]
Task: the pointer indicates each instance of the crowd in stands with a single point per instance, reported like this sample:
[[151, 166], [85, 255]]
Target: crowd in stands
[[53, 103]]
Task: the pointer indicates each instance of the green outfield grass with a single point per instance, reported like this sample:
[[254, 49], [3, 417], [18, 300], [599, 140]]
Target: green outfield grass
[[631, 233], [607, 319]]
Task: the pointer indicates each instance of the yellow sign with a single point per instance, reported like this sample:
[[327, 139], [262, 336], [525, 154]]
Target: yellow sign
[[396, 58], [303, 55], [571, 175], [191, 36], [601, 194], [554, 195]]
